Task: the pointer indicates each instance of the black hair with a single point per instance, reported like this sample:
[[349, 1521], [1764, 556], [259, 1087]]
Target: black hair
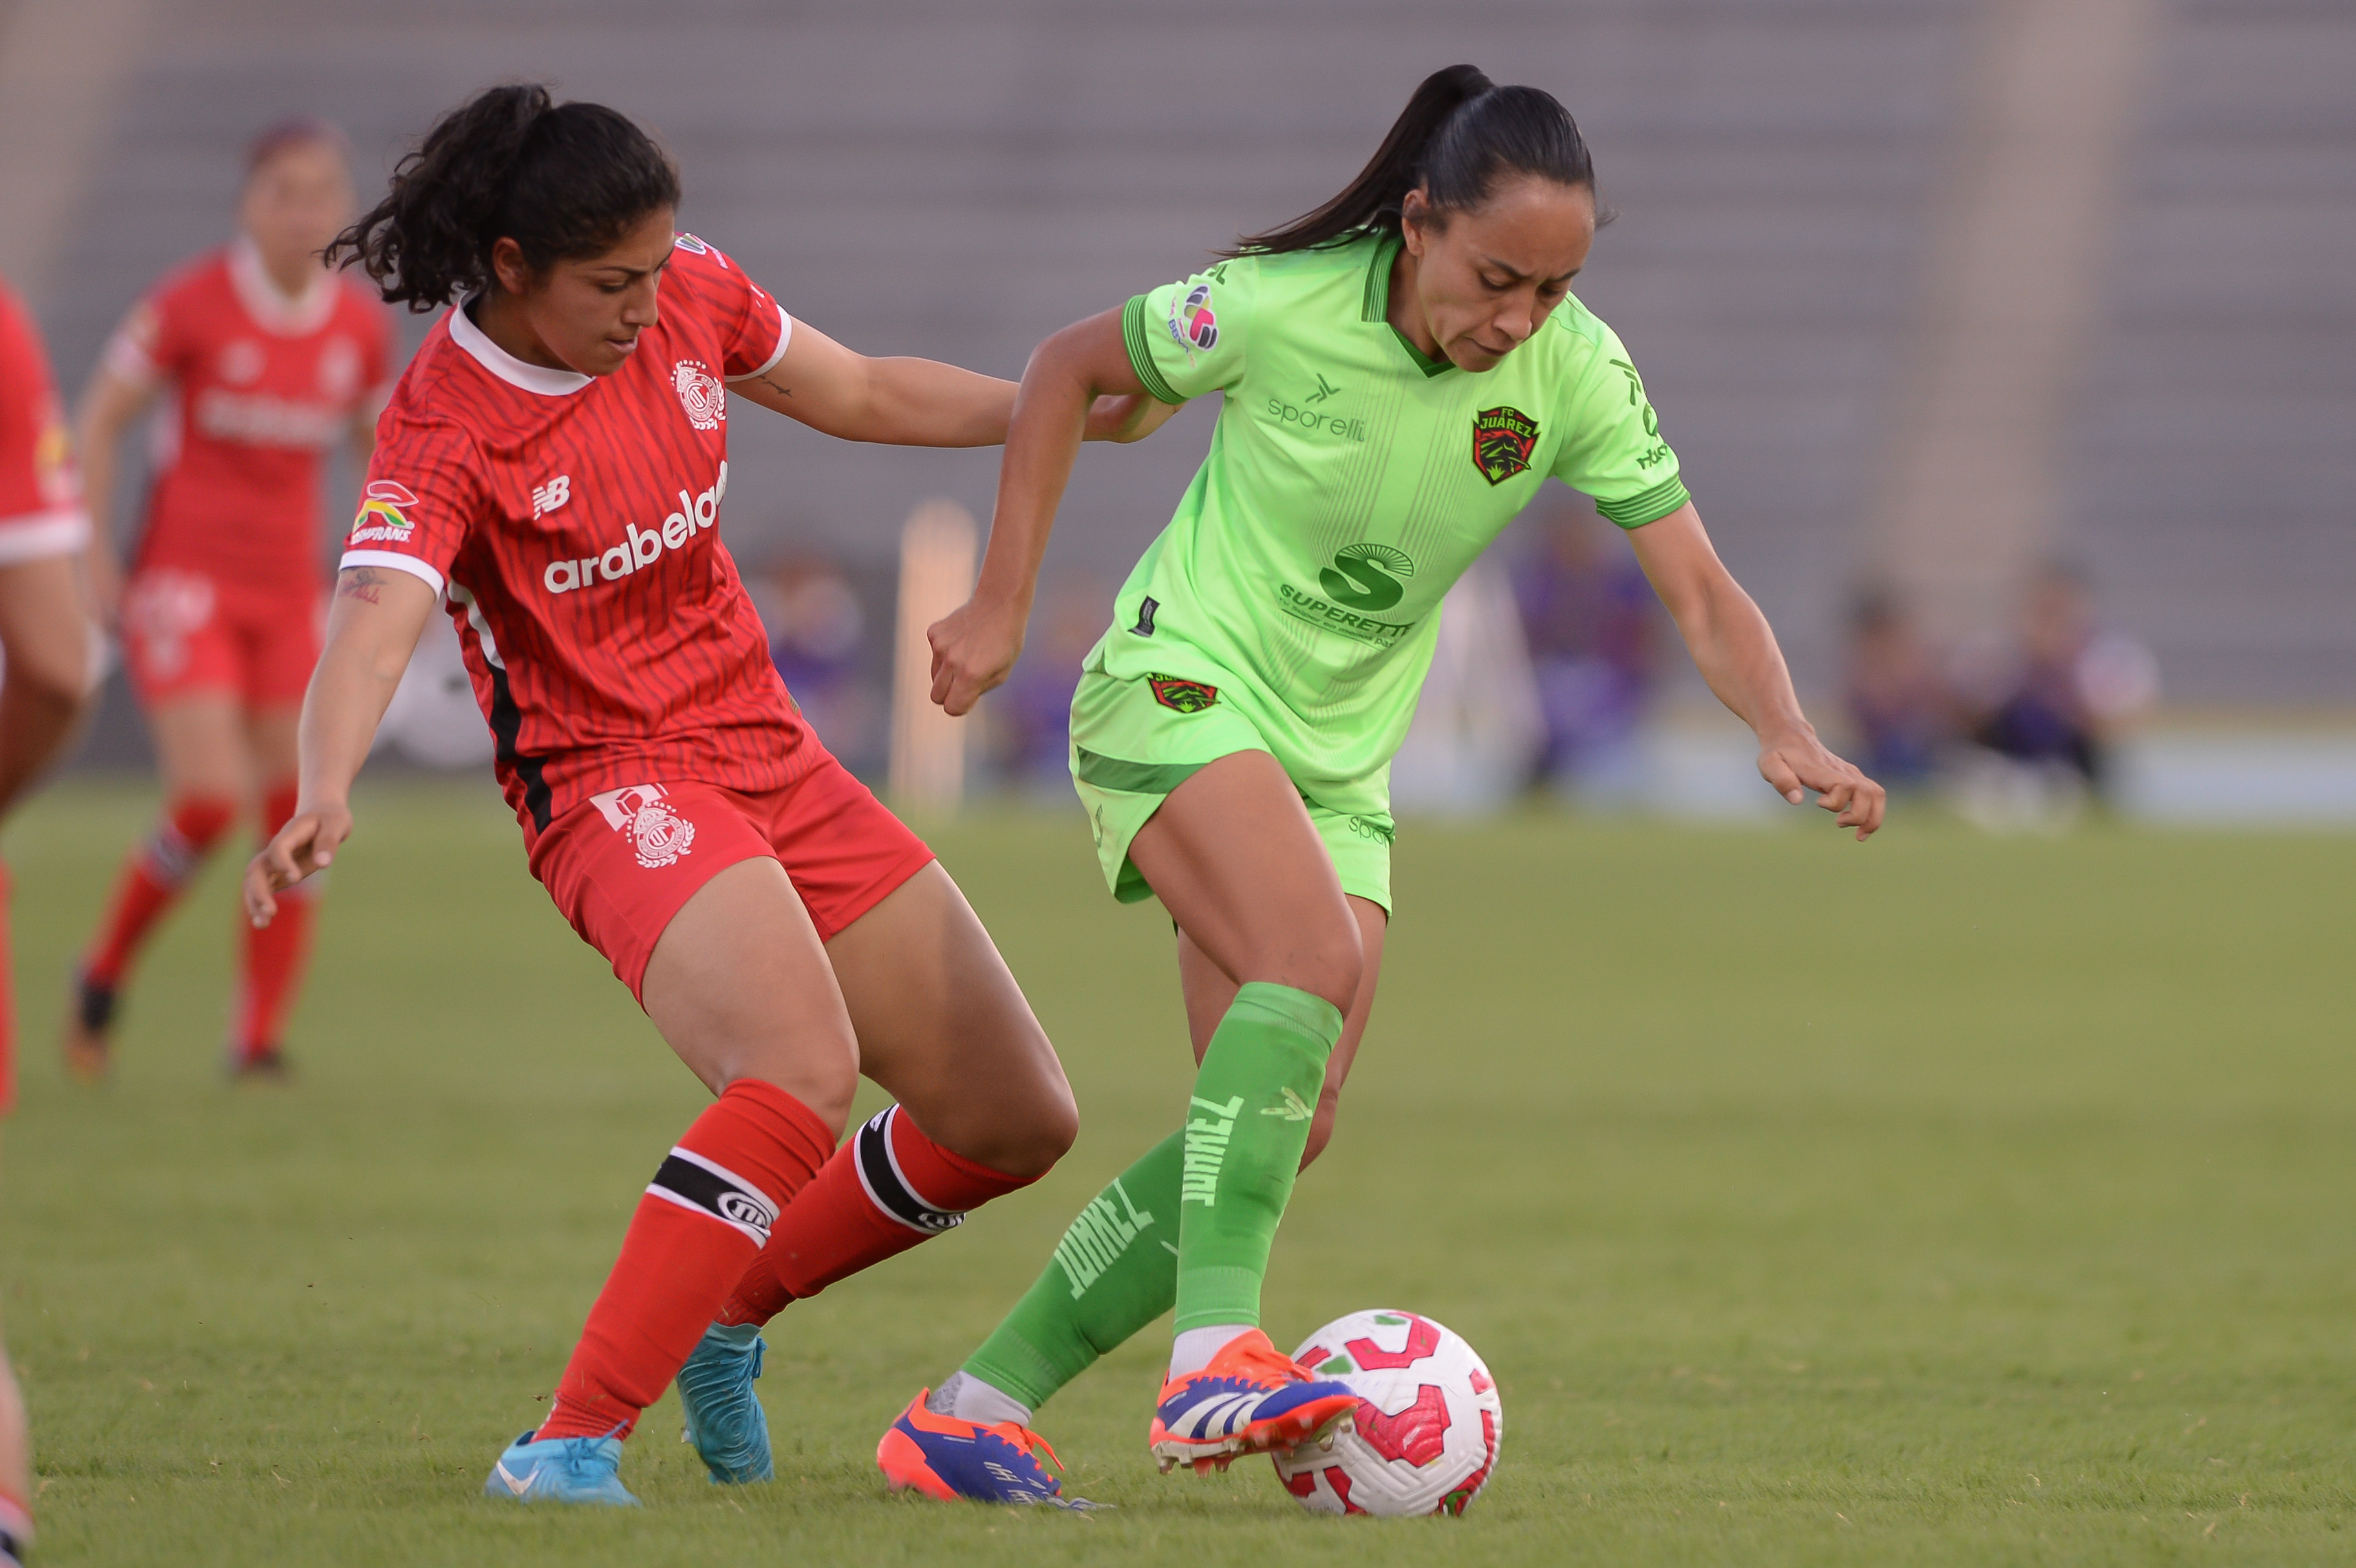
[[1456, 136], [561, 180]]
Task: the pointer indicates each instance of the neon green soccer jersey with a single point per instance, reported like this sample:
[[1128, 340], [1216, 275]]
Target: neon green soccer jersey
[[1350, 482]]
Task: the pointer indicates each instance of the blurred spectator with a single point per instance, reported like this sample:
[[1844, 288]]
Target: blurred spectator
[[817, 638], [1593, 627], [2072, 685], [1902, 711], [1478, 726], [1031, 716]]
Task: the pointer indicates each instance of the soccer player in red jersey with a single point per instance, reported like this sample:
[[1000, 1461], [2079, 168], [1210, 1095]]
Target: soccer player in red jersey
[[553, 467], [45, 637], [269, 361]]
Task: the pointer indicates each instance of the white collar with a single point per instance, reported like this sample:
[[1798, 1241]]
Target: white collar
[[272, 311], [506, 366]]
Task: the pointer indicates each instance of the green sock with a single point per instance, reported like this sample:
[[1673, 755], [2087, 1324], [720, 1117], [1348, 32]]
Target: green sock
[[1244, 1134], [1115, 1271]]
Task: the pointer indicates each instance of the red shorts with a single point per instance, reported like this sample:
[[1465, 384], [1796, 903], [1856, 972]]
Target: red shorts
[[621, 865], [185, 632]]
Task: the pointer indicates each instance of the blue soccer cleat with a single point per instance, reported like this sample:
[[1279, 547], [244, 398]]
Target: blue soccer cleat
[[561, 1470], [724, 1418], [1252, 1399], [947, 1458]]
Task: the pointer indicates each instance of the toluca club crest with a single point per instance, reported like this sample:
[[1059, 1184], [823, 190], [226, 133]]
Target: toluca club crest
[[657, 834], [1503, 439], [701, 394], [1186, 696]]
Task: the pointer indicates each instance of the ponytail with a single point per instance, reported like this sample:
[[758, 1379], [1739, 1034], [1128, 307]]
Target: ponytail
[[560, 180], [1456, 136]]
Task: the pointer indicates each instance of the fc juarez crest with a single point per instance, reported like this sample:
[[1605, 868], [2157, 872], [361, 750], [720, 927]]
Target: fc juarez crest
[[1186, 696], [1503, 439]]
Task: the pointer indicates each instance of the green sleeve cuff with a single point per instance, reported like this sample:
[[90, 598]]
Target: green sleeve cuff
[[1646, 506], [1133, 333]]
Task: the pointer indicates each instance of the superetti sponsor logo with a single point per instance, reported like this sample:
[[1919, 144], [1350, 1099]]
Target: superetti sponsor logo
[[640, 547]]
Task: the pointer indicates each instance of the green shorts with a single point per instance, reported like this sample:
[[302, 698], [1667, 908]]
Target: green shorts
[[1135, 741]]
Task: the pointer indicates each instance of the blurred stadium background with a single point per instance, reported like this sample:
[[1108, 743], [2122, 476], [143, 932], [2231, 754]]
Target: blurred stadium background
[[1930, 293]]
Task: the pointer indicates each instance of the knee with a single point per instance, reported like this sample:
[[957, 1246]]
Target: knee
[[1029, 1145], [1332, 967]]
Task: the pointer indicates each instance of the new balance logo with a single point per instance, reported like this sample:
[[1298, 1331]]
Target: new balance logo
[[1099, 1237], [640, 547], [1206, 1149], [547, 498], [1294, 1108]]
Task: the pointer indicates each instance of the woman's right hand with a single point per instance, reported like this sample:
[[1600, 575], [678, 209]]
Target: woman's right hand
[[974, 648], [306, 843]]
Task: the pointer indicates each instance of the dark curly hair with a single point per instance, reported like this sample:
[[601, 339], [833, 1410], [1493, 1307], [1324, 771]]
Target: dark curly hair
[[561, 180]]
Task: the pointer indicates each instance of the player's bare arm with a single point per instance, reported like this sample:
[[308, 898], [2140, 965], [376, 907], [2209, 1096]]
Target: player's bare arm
[[372, 629], [904, 402], [976, 646], [1735, 649], [109, 407]]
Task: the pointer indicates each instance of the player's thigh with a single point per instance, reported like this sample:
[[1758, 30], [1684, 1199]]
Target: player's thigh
[[201, 743], [44, 628], [1210, 991], [1233, 855], [740, 986], [944, 1029]]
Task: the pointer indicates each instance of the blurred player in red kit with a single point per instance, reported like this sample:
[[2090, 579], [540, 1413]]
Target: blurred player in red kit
[[269, 361], [45, 637], [552, 468]]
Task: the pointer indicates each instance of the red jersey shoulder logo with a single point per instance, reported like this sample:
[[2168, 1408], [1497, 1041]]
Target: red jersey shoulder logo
[[701, 394], [381, 516], [657, 834], [1503, 439]]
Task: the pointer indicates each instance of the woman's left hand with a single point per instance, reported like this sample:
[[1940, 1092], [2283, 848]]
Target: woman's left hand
[[1799, 762]]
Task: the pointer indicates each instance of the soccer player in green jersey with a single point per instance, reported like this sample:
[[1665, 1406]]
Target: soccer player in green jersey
[[1399, 370]]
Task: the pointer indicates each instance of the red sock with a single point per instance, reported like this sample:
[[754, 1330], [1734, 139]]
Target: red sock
[[707, 1213], [886, 1189], [152, 879], [274, 953]]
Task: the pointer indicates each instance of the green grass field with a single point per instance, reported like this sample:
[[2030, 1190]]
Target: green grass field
[[1943, 1200]]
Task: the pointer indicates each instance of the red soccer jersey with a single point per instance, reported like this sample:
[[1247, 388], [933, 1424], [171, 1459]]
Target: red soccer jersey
[[262, 387], [573, 520], [41, 501]]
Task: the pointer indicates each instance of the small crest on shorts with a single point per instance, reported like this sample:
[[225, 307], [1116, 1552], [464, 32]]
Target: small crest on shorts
[[657, 834], [1186, 696]]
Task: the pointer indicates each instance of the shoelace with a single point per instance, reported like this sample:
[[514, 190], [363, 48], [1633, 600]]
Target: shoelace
[[1028, 1441]]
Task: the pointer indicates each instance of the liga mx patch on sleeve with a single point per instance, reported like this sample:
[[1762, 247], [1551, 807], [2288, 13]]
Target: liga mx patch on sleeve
[[691, 1181]]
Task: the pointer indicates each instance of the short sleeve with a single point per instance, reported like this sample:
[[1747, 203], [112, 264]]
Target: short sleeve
[[40, 498], [1611, 448], [420, 501], [753, 327], [1189, 337]]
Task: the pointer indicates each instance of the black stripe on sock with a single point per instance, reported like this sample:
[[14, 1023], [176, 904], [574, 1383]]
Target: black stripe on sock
[[717, 1196], [883, 1184]]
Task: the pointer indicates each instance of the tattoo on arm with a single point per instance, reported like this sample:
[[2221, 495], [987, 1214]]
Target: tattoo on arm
[[362, 583], [777, 386]]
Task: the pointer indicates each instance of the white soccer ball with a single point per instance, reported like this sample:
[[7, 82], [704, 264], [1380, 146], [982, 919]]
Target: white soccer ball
[[1424, 1437]]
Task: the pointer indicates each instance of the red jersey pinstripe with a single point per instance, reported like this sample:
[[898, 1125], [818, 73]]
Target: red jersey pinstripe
[[572, 522]]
